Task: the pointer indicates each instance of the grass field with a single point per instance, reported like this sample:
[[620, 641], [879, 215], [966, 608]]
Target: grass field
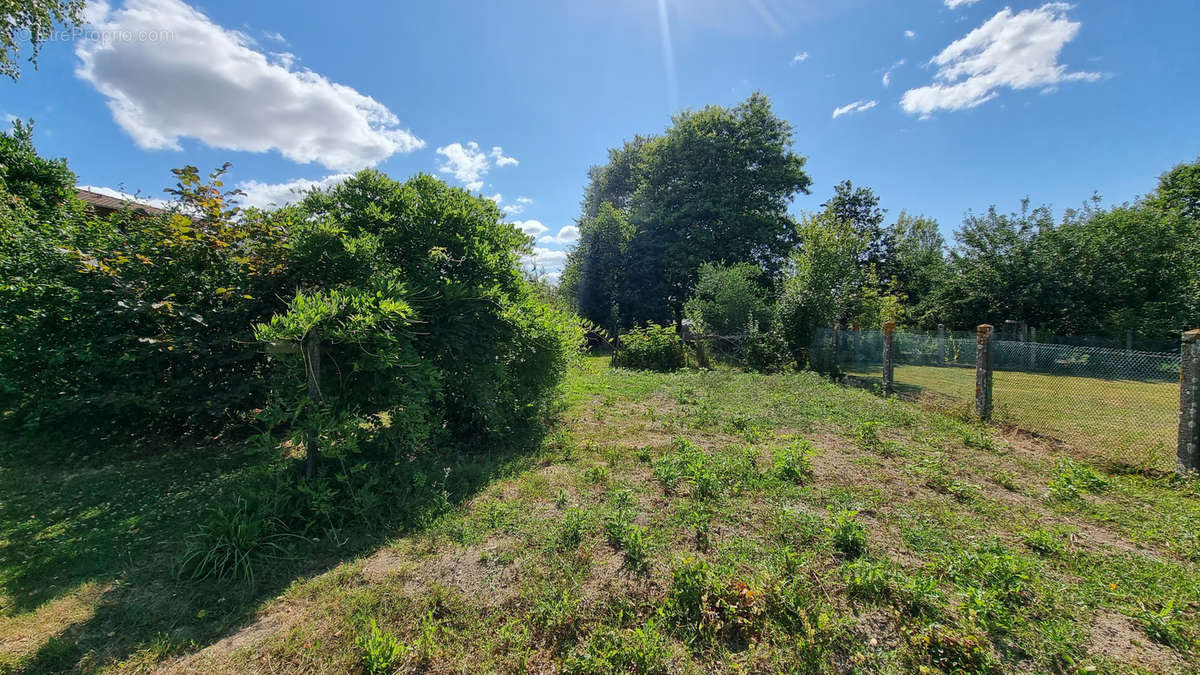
[[1125, 421], [687, 522]]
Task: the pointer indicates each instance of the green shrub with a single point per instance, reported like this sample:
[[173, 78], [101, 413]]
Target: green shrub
[[144, 324], [765, 351], [652, 347], [727, 297]]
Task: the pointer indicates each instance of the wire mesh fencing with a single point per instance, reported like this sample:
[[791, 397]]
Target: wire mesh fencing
[[1121, 405], [716, 350]]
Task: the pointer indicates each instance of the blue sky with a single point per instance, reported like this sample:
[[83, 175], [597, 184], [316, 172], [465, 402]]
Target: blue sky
[[983, 102]]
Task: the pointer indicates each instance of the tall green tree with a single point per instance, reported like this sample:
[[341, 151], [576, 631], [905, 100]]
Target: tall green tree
[[34, 20], [592, 276], [714, 188], [916, 261], [859, 206], [825, 282]]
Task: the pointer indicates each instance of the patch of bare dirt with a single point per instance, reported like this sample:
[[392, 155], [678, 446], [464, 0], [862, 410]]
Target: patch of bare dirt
[[1115, 637], [476, 571], [609, 577], [214, 658]]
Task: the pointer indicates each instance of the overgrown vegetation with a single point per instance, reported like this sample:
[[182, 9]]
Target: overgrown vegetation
[[661, 529], [652, 347]]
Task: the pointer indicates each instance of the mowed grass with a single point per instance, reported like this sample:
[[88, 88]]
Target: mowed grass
[[687, 522], [1121, 421]]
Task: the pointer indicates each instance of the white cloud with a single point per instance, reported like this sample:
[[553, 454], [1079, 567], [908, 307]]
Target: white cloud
[[1013, 50], [120, 194], [800, 57], [856, 107], [567, 235], [468, 164], [275, 36], [887, 74], [511, 208], [498, 155], [532, 228], [910, 34], [546, 259], [267, 195], [955, 4], [9, 118], [198, 80]]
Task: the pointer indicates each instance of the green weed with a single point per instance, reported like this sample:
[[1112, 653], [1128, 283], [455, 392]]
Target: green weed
[[380, 650], [848, 535], [793, 462]]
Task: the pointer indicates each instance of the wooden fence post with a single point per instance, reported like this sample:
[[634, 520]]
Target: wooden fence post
[[889, 329], [941, 344], [1189, 403], [983, 372], [310, 347]]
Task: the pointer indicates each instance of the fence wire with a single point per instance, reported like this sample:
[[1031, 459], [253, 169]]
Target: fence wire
[[1119, 404], [716, 350]]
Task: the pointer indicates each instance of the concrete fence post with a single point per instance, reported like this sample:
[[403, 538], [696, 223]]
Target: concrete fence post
[[889, 330], [1189, 403], [1032, 349], [941, 344], [983, 371], [837, 347]]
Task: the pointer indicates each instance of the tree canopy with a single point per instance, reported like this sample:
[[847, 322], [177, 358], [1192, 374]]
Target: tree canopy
[[35, 20], [713, 189]]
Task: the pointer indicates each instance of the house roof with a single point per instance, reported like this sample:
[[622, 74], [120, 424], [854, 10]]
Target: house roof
[[108, 204]]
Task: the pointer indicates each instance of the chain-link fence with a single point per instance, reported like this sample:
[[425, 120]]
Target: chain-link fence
[[1119, 404]]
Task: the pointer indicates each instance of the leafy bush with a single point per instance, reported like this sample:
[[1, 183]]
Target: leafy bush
[[765, 351], [652, 347], [136, 323], [727, 298]]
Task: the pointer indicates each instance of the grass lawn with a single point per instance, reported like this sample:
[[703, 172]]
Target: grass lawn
[[1124, 421], [687, 522]]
